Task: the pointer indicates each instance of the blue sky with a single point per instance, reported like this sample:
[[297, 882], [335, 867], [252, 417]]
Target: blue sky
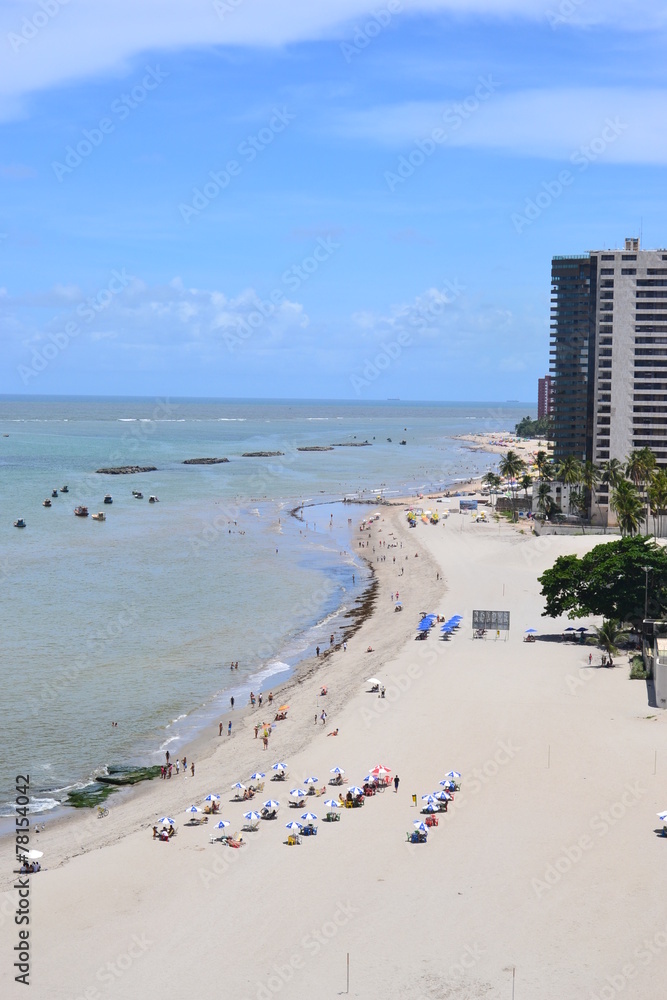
[[335, 199]]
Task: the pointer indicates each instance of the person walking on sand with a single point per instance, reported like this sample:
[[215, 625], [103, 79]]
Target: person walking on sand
[[192, 768], [317, 650], [256, 731], [265, 740], [229, 728], [220, 729], [231, 701], [396, 781]]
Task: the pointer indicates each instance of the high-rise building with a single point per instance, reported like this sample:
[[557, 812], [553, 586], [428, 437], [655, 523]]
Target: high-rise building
[[609, 353], [544, 390]]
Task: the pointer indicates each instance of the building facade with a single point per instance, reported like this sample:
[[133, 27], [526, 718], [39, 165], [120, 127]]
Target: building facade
[[544, 390], [609, 354]]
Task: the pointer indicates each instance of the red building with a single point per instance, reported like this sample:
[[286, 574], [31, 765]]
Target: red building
[[544, 396]]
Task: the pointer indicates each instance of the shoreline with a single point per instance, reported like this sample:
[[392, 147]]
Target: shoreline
[[80, 827]]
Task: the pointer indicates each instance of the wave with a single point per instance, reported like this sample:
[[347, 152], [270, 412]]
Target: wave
[[232, 420], [271, 669]]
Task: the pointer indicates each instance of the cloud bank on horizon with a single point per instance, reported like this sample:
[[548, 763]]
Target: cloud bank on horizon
[[358, 199]]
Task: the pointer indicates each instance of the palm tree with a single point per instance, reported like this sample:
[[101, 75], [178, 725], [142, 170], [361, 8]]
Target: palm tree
[[640, 467], [569, 472], [657, 495], [590, 477], [611, 473], [526, 483], [493, 481], [511, 466], [546, 505], [627, 504], [609, 634], [543, 463]]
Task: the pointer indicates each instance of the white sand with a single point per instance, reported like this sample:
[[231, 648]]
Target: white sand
[[547, 861]]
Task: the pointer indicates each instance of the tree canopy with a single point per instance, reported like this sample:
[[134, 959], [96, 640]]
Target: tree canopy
[[529, 428], [609, 580]]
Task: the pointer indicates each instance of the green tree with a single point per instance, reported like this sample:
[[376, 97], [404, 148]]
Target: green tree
[[611, 473], [512, 466], [609, 581], [610, 634], [569, 471], [627, 504], [544, 466], [590, 477], [546, 505], [526, 483]]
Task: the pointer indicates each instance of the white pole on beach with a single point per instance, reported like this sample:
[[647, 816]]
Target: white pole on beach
[[513, 979], [348, 973]]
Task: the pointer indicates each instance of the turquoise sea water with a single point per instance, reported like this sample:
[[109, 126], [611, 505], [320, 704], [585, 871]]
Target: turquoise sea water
[[137, 619]]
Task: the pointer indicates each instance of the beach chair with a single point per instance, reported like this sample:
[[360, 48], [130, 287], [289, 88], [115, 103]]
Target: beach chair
[[293, 840], [332, 817], [250, 827]]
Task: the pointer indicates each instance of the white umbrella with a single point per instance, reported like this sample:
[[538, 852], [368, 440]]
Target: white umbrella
[[373, 680], [212, 797], [663, 816], [33, 855], [428, 798], [298, 792], [337, 770], [279, 766], [221, 824], [310, 781], [355, 790], [294, 826], [430, 808], [271, 804], [452, 774], [167, 821], [239, 786], [380, 770], [257, 776], [332, 804], [442, 796], [252, 816], [309, 817], [420, 826], [193, 809]]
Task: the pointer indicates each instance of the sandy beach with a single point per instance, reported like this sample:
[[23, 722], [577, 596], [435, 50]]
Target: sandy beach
[[544, 868], [499, 442]]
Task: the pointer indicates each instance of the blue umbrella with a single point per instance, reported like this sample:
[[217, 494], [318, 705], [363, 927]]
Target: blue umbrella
[[452, 774], [294, 826], [310, 781], [309, 817], [279, 767], [531, 630], [167, 820], [221, 824], [257, 776], [298, 792], [212, 798], [271, 804]]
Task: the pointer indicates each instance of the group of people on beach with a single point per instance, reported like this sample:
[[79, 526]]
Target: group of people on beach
[[168, 768]]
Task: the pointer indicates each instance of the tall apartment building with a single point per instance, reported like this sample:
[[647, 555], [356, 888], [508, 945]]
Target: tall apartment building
[[544, 390]]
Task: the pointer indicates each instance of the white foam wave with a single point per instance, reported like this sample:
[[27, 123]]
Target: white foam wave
[[276, 667]]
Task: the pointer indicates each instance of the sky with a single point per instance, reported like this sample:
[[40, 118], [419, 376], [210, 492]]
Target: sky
[[331, 199]]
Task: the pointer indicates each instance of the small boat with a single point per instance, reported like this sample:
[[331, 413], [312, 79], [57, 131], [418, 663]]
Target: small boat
[[153, 500], [108, 498], [81, 511], [137, 495], [402, 442], [54, 493], [100, 516], [64, 489], [46, 503], [20, 523]]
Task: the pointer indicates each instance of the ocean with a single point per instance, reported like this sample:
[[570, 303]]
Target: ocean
[[136, 620]]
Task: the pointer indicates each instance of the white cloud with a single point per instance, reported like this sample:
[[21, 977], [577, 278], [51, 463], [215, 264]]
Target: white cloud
[[552, 123], [89, 38]]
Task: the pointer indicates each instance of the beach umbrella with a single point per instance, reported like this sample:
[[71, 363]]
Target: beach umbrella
[[337, 770], [283, 708], [663, 816], [429, 797], [212, 797], [33, 855], [570, 628], [279, 766], [380, 769], [531, 630], [452, 774], [419, 825], [221, 824], [310, 781], [239, 786], [252, 816], [271, 804], [294, 827], [373, 680], [192, 809], [257, 776], [582, 628], [332, 804], [298, 792], [167, 821], [442, 796], [309, 817], [355, 790], [430, 808]]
